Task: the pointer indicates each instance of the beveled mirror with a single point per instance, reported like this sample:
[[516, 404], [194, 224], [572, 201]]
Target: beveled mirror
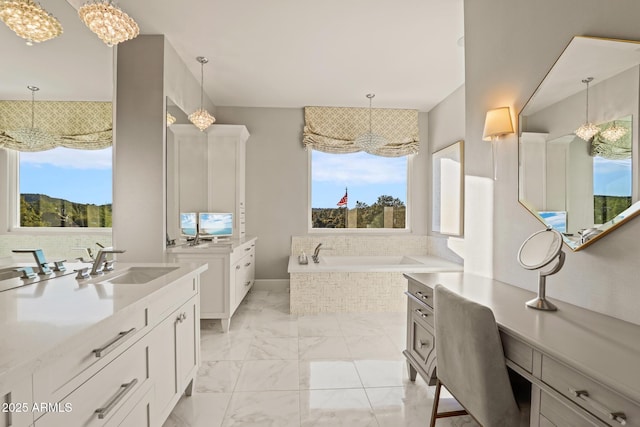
[[578, 141]]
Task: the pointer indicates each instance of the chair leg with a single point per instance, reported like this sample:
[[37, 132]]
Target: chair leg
[[434, 413], [436, 400]]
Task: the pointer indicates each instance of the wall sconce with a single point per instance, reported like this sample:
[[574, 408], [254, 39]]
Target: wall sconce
[[496, 124]]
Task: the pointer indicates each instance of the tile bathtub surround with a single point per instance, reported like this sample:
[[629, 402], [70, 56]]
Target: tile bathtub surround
[[278, 369], [405, 244]]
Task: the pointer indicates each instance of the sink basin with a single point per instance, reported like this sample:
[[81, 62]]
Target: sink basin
[[140, 275]]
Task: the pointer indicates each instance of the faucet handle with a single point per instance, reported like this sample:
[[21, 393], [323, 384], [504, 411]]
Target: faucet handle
[[83, 273], [108, 265], [27, 273], [59, 265]]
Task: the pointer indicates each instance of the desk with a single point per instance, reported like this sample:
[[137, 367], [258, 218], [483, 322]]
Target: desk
[[584, 367]]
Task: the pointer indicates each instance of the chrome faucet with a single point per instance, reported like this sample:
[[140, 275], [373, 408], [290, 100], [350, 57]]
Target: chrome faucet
[[316, 252], [41, 262], [101, 262]]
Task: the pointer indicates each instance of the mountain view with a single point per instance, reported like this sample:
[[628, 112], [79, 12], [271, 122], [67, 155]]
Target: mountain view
[[40, 210]]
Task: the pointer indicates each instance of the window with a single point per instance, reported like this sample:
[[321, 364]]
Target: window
[[65, 187], [358, 191]]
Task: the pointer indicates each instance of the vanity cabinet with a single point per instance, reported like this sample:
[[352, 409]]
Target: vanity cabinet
[[129, 369], [420, 352], [230, 276], [17, 402], [227, 173], [174, 356], [581, 365]]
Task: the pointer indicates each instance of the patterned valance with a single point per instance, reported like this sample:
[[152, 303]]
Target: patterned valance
[[73, 124], [334, 129]]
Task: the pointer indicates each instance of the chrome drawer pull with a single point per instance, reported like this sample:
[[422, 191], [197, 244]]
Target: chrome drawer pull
[[423, 315], [247, 264], [421, 295], [247, 249], [248, 283], [238, 267], [124, 389], [99, 352], [583, 395]]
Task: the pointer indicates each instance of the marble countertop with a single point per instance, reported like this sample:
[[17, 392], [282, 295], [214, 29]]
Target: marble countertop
[[223, 245], [602, 347], [38, 317], [373, 264]]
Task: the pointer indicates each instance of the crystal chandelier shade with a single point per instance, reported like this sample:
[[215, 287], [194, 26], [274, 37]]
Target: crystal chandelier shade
[[588, 130], [614, 133], [370, 141], [201, 117], [29, 20], [108, 22], [32, 139]]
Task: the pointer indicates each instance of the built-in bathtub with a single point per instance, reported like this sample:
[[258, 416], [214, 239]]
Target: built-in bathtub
[[349, 283]]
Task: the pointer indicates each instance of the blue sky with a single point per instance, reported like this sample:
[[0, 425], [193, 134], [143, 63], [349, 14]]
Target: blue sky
[[611, 177], [81, 176], [365, 175]]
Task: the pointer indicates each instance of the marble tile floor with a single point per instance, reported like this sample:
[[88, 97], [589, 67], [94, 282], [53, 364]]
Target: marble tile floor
[[275, 369]]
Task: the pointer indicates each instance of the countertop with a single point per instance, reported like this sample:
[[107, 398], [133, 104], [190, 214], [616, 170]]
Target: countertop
[[41, 316], [373, 264], [206, 246], [604, 348]]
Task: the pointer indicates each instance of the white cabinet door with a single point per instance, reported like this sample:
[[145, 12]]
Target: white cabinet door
[[187, 348], [162, 365], [17, 404]]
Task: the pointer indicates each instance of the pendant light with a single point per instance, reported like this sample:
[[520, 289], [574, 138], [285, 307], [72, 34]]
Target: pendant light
[[108, 22], [614, 133], [29, 20], [588, 130], [370, 141], [201, 117], [32, 139]]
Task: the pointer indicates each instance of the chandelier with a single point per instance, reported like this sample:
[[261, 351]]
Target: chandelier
[[201, 117], [588, 130], [32, 139], [108, 21], [614, 133], [370, 141], [29, 20]]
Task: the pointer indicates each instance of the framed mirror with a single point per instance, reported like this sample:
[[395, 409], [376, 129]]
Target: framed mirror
[[578, 141], [448, 198], [187, 169]]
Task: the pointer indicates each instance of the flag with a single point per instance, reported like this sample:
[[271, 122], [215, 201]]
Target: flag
[[343, 201]]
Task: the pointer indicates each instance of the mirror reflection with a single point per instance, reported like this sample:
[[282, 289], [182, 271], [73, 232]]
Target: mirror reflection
[[578, 144], [187, 169]]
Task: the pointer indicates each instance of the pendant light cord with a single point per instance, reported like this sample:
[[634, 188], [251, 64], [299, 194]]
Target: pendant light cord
[[587, 121], [33, 108], [202, 85]]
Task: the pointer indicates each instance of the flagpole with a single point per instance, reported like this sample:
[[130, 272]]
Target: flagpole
[[346, 208]]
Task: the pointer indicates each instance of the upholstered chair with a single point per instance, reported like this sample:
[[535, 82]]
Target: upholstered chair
[[470, 362]]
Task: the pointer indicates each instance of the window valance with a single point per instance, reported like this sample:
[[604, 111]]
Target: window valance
[[334, 129], [73, 124]]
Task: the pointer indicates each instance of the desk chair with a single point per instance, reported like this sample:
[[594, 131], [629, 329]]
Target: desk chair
[[471, 363]]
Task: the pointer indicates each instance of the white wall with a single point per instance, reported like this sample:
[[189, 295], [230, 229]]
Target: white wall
[[277, 182], [510, 46], [148, 71]]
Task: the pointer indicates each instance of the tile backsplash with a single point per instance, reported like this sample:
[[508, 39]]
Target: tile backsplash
[[55, 246]]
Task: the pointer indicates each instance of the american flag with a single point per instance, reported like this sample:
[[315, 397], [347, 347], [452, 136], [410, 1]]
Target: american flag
[[343, 201]]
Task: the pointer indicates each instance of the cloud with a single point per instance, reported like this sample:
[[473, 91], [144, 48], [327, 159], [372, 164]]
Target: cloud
[[69, 158], [358, 169], [602, 165]]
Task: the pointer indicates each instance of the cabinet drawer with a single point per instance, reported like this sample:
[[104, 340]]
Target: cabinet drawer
[[517, 352], [173, 298], [71, 365], [422, 346], [555, 413], [421, 312], [99, 399], [422, 293], [594, 397]]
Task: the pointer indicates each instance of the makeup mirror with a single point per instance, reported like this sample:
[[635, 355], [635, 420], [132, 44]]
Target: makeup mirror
[[536, 252]]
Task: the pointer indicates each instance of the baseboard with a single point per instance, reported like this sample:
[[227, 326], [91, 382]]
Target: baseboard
[[271, 285]]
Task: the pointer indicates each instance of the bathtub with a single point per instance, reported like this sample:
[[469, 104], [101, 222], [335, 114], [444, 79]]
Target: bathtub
[[343, 284]]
